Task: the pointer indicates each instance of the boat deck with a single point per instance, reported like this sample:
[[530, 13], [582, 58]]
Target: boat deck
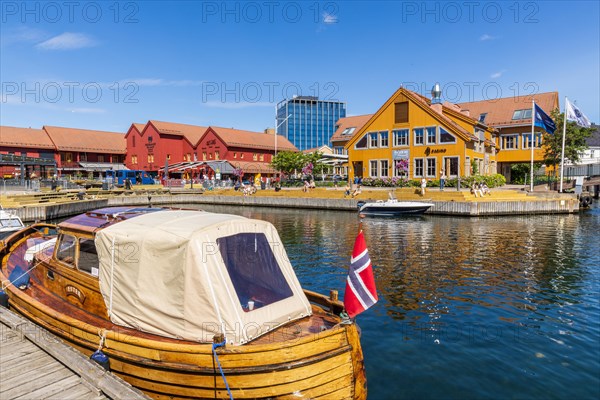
[[33, 366]]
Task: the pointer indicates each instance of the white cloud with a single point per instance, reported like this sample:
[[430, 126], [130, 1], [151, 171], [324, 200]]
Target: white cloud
[[151, 82], [244, 104], [329, 18], [67, 41], [498, 74], [486, 37]]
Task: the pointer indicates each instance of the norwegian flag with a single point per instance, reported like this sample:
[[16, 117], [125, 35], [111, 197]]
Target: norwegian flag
[[360, 286]]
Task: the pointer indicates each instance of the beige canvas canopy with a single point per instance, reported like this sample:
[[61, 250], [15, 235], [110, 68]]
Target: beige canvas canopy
[[192, 274]]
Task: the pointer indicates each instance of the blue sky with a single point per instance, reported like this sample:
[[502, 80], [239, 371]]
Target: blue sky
[[103, 65]]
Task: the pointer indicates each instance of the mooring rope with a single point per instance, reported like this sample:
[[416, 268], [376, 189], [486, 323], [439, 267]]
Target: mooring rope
[[214, 350]]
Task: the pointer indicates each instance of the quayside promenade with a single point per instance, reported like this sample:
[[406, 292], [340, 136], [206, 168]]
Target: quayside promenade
[[49, 205]]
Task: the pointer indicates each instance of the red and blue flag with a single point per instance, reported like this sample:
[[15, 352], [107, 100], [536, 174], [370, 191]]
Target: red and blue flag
[[360, 286]]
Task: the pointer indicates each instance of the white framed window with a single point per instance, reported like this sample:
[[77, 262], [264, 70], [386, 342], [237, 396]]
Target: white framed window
[[526, 140], [373, 140], [509, 142], [362, 143], [446, 137], [431, 134], [418, 167], [400, 137], [431, 167], [419, 135], [384, 167], [373, 168], [384, 138]]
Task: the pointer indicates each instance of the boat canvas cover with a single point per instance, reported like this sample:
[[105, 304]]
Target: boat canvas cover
[[190, 275]]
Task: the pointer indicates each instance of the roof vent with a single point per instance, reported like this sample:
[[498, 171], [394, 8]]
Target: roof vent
[[436, 94]]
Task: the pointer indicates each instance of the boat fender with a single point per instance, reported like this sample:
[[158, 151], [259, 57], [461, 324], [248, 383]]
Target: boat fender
[[102, 359], [3, 299], [19, 278]]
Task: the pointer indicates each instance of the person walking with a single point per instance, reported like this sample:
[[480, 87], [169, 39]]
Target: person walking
[[442, 181]]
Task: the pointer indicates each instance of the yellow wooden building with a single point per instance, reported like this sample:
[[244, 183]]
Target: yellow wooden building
[[434, 138]]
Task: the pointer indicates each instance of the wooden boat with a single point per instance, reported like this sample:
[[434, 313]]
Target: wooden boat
[[155, 288]]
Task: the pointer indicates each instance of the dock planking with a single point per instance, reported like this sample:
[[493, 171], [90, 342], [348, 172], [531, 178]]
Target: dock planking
[[33, 365]]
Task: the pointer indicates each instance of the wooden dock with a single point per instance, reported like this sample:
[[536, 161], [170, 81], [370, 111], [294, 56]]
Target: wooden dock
[[34, 364]]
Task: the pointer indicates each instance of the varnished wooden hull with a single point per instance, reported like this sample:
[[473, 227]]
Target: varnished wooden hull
[[282, 364]]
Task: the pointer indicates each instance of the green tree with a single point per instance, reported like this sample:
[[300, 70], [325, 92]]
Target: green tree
[[288, 162], [575, 142]]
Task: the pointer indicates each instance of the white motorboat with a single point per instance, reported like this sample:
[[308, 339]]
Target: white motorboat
[[9, 222], [392, 207]]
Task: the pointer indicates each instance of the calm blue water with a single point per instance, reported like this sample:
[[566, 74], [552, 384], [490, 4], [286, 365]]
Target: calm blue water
[[469, 308]]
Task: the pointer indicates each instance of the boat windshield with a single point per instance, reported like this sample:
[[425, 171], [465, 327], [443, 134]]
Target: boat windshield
[[10, 223], [253, 269]]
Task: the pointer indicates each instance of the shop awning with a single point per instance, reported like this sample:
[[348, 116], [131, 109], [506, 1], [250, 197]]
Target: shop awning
[[101, 166]]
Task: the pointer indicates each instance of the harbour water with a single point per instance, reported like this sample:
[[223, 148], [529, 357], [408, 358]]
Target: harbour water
[[469, 308]]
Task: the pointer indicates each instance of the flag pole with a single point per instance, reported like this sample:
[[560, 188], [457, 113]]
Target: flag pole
[[532, 144], [562, 154]]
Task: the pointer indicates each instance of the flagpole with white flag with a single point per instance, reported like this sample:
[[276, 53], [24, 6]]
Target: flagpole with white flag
[[562, 153], [531, 144]]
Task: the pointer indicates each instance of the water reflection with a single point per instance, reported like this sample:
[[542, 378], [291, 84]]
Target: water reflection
[[469, 307]]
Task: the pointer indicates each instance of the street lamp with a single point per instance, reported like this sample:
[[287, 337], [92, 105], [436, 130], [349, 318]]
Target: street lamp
[[278, 125]]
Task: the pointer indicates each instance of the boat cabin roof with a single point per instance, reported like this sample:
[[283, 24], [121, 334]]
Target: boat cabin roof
[[92, 221]]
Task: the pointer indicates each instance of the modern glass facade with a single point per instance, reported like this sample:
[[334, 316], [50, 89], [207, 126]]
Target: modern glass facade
[[312, 121]]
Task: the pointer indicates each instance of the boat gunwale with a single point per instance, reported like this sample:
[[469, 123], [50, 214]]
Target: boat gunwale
[[159, 343]]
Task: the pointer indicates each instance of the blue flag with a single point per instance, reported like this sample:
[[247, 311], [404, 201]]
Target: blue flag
[[543, 120]]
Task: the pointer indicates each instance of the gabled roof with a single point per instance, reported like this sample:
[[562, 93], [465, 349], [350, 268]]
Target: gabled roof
[[192, 133], [356, 122], [446, 109], [135, 127], [25, 137], [84, 140], [500, 111], [240, 138], [425, 105]]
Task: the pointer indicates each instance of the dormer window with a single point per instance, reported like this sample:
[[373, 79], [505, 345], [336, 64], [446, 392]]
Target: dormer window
[[482, 117], [522, 114]]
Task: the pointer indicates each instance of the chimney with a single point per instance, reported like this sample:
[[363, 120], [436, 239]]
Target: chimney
[[270, 131], [466, 112], [436, 98]]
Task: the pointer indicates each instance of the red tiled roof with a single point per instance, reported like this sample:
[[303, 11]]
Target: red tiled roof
[[139, 127], [500, 111], [192, 133], [257, 140], [24, 137], [356, 121], [72, 139]]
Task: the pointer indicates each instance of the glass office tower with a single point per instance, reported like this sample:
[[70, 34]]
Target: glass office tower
[[311, 121]]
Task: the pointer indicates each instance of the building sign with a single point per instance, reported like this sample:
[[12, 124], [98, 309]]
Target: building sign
[[400, 155], [429, 151], [211, 142], [150, 147]]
